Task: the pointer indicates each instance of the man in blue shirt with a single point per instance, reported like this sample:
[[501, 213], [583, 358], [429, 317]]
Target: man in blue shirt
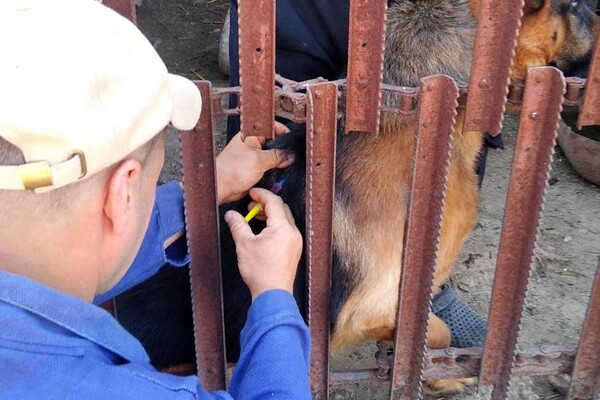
[[83, 106]]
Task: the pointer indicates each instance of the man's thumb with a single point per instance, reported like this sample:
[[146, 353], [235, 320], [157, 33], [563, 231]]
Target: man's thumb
[[237, 225]]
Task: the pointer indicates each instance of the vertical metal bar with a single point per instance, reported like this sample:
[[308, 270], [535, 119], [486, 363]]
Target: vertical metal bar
[[590, 111], [497, 29], [540, 114], [256, 22], [365, 65], [124, 7], [585, 380], [436, 119], [202, 220], [320, 173]]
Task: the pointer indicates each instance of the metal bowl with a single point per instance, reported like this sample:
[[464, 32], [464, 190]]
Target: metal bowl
[[583, 152]]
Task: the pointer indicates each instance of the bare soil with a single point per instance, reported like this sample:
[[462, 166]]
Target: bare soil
[[186, 34]]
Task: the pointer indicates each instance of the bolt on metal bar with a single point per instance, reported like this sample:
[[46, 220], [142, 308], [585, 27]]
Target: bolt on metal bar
[[589, 114], [497, 28], [585, 379], [124, 7], [431, 155], [365, 65], [202, 221], [531, 165], [320, 174], [257, 66]]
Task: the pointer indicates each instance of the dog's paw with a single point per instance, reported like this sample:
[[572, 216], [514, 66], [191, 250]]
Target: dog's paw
[[446, 387]]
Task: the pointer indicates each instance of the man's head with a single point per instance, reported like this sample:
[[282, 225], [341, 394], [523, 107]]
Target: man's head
[[83, 99]]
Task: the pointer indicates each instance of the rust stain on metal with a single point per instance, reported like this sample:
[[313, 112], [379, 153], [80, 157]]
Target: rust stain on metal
[[585, 379], [320, 173], [497, 29], [365, 65], [531, 164], [202, 221], [435, 126], [257, 66], [589, 114], [124, 7]]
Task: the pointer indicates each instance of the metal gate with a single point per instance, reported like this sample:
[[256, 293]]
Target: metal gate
[[434, 103]]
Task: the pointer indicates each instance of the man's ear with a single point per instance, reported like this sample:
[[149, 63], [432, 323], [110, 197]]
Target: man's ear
[[122, 192]]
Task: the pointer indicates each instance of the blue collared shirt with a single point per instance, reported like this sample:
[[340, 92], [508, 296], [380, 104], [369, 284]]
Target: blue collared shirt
[[56, 346]]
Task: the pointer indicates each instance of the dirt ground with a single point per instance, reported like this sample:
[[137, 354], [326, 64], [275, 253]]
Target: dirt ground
[[186, 34]]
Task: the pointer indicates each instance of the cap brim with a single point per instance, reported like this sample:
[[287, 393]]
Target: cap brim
[[187, 102]]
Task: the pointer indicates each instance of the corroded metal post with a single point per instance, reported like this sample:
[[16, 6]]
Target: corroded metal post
[[435, 126], [320, 173], [202, 221], [533, 154], [257, 66]]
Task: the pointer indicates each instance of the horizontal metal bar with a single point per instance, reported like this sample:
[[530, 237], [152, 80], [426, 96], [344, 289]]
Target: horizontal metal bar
[[464, 363], [291, 104]]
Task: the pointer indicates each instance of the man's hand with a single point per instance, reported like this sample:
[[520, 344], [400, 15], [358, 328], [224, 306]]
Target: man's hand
[[242, 164], [268, 260]]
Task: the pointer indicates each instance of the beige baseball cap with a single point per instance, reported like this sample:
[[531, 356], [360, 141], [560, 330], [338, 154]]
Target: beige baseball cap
[[80, 89]]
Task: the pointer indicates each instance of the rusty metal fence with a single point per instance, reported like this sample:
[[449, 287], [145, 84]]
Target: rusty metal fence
[[434, 102]]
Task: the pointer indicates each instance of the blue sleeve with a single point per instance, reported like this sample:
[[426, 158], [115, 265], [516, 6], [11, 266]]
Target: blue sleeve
[[167, 219], [275, 356]]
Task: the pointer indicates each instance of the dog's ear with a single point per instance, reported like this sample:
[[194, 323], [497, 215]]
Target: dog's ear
[[533, 6]]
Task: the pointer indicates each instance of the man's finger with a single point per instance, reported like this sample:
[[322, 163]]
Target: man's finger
[[289, 215], [275, 158], [281, 129], [273, 206], [237, 225]]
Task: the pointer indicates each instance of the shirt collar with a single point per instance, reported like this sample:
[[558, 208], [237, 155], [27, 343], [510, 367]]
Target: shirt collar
[[83, 319]]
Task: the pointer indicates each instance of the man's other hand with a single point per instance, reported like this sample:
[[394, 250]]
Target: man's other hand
[[268, 260], [242, 164]]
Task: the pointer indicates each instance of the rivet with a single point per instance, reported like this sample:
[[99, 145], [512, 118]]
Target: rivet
[[538, 79], [597, 79], [533, 115], [318, 94], [257, 89], [426, 123], [257, 126], [484, 84]]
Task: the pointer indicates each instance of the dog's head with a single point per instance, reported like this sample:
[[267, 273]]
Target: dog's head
[[555, 32]]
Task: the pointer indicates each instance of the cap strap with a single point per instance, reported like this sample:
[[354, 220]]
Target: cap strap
[[41, 176]]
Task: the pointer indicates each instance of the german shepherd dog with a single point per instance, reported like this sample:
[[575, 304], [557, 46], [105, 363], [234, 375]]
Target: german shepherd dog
[[424, 37]]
